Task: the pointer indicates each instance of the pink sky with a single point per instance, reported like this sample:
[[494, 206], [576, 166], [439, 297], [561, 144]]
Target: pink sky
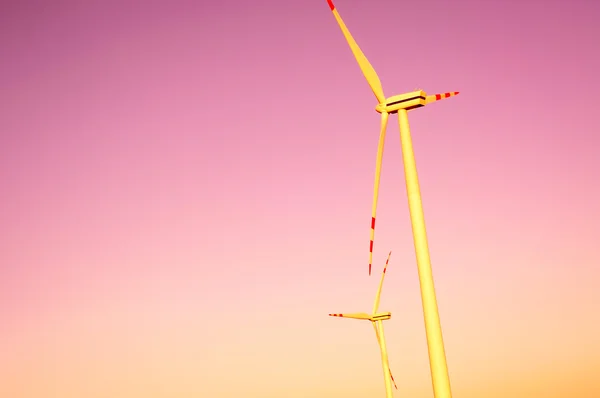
[[186, 192]]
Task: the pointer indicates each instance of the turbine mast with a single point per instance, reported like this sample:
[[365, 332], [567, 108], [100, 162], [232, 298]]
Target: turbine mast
[[433, 329]]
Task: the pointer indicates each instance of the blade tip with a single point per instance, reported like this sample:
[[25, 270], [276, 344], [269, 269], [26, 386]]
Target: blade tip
[[331, 5]]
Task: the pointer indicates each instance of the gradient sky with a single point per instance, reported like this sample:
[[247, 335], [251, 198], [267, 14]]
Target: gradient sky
[[186, 189]]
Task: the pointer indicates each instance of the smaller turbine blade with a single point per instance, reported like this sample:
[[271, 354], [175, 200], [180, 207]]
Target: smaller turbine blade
[[379, 342], [384, 357], [437, 97], [357, 315], [376, 332], [392, 377], [378, 295]]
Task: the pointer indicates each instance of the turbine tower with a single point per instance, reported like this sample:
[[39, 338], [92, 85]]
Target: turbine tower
[[376, 319], [401, 104]]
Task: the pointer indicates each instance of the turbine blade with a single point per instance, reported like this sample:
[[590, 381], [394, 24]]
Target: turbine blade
[[384, 120], [378, 295], [379, 342], [376, 331], [384, 357], [392, 377], [437, 97], [363, 63], [357, 315]]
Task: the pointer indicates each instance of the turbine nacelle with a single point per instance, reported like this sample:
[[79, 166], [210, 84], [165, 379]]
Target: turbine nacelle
[[408, 101], [382, 316]]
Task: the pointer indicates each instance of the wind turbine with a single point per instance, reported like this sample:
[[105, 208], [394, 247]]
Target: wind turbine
[[401, 104], [376, 319]]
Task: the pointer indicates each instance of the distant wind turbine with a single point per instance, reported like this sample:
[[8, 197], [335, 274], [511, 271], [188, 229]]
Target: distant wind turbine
[[376, 319]]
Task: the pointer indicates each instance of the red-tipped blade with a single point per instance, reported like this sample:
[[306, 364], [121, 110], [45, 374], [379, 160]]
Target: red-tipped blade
[[437, 97], [363, 63], [446, 95], [392, 377], [378, 295], [356, 315], [378, 163], [371, 244], [387, 262]]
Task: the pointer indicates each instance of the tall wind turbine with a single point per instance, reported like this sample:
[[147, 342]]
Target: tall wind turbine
[[376, 319], [401, 104]]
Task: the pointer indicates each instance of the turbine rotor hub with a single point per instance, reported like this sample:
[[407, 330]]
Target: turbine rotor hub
[[380, 108]]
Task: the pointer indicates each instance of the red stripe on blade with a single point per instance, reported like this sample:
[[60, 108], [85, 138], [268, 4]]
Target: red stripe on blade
[[372, 222], [330, 4], [438, 97]]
